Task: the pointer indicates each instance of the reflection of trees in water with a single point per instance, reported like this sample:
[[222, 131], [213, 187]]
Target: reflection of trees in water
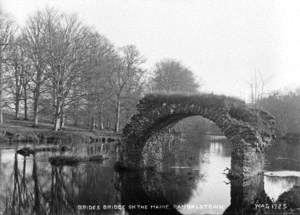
[[97, 186], [170, 148], [58, 190], [63, 191], [86, 184], [20, 195], [25, 196], [143, 188], [178, 186]]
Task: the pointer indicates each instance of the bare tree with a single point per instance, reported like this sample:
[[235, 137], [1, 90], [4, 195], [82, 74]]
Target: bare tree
[[16, 63], [66, 57], [34, 42], [60, 69], [257, 86], [7, 31], [127, 74], [96, 81], [25, 83]]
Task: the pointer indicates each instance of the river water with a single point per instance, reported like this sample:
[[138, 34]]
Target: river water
[[194, 182]]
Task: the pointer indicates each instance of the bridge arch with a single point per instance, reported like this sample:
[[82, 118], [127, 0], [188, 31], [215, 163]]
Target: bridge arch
[[247, 129]]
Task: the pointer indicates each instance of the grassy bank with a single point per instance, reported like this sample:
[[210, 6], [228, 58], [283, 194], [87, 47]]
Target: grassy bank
[[22, 131]]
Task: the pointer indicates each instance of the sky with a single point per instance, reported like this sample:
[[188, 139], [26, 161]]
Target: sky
[[224, 42]]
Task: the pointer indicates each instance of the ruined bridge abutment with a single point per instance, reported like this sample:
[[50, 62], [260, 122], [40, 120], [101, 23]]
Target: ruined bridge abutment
[[248, 130]]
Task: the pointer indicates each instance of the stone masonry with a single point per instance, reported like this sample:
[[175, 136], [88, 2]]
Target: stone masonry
[[247, 129]]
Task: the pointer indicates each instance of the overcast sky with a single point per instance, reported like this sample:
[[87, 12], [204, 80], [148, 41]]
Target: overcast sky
[[222, 41]]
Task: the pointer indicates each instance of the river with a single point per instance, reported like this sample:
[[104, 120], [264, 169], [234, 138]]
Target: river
[[194, 183]]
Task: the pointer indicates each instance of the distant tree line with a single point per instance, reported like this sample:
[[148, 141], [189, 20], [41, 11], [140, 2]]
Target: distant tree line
[[285, 107], [56, 69]]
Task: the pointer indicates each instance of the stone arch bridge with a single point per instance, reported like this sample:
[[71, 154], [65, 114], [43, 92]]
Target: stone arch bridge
[[247, 129]]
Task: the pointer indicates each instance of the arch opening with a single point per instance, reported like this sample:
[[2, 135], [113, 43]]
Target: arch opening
[[181, 144]]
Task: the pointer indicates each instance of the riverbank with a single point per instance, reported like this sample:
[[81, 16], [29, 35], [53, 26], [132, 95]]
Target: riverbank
[[23, 131]]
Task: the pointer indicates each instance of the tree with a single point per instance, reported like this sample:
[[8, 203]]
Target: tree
[[286, 109], [34, 43], [25, 83], [98, 79], [16, 66], [60, 69], [19, 71], [67, 49], [128, 75], [171, 76], [7, 31], [257, 86]]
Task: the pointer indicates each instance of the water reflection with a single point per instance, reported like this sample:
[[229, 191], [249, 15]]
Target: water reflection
[[30, 185]]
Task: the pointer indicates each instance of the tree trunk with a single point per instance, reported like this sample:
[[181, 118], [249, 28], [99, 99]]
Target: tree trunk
[[25, 105], [35, 112], [56, 123], [101, 126], [57, 119], [108, 124], [18, 89], [36, 106], [1, 111], [36, 96], [75, 108], [62, 120], [17, 107], [1, 93], [37, 203], [58, 116], [75, 114], [118, 107], [93, 124], [1, 108], [53, 95]]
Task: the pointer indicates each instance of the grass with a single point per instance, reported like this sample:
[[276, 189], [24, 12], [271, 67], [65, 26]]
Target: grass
[[9, 120], [23, 130]]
